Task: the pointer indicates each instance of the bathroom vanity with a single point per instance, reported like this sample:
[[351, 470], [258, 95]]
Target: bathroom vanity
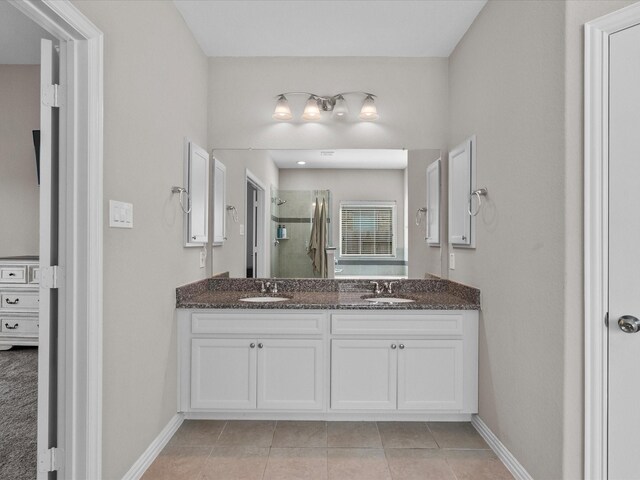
[[329, 351]]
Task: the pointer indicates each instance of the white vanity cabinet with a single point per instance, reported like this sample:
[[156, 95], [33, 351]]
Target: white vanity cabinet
[[346, 364], [251, 361], [19, 301], [425, 361]]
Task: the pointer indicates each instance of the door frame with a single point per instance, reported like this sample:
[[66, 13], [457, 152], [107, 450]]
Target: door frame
[[81, 219], [596, 228], [260, 268]]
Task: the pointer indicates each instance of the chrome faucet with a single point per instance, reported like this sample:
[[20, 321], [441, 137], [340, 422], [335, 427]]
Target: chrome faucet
[[274, 288], [264, 288], [388, 287], [376, 290]]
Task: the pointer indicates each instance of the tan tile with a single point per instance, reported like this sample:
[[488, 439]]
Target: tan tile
[[248, 433], [457, 435], [300, 434], [418, 464], [353, 434], [197, 432], [173, 462], [296, 464], [476, 465], [235, 463], [357, 464], [406, 435]]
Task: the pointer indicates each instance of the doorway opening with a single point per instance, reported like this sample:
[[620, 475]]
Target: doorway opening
[[255, 235]]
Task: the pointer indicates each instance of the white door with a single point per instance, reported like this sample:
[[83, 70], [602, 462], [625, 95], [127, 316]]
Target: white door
[[290, 374], [198, 217], [223, 373], [460, 180], [364, 374], [624, 254], [430, 375], [432, 235], [48, 316]]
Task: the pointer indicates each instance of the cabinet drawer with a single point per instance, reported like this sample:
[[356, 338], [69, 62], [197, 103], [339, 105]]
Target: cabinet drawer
[[257, 323], [13, 274], [22, 300], [18, 325], [397, 324]]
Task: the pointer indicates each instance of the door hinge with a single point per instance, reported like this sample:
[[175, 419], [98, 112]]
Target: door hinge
[[51, 277], [51, 461], [51, 95]]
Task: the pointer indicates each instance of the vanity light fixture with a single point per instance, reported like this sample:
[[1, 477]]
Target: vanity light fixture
[[316, 104]]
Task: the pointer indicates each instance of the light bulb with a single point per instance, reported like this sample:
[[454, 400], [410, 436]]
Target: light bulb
[[340, 109], [282, 111], [311, 110], [368, 111]]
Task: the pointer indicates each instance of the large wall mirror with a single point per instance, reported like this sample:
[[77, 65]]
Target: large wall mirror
[[369, 203]]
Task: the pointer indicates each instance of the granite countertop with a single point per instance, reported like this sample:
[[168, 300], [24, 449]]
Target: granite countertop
[[325, 294]]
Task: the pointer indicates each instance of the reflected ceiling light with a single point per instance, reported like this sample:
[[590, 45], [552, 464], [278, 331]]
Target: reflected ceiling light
[[282, 111], [316, 104], [311, 109], [301, 163], [369, 110]]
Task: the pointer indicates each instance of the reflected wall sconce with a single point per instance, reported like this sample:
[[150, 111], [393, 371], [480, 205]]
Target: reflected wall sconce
[[316, 104]]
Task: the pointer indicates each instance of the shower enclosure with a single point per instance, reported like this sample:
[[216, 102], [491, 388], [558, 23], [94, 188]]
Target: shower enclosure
[[294, 210]]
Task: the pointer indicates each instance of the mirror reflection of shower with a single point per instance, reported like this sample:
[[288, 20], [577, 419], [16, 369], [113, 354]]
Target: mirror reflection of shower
[[291, 220]]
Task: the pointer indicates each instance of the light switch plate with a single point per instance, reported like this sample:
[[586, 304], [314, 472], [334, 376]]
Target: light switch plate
[[120, 214], [203, 258], [452, 261], [241, 229]]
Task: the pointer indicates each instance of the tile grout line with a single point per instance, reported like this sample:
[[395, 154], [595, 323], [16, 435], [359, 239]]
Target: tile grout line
[[384, 453], [434, 437]]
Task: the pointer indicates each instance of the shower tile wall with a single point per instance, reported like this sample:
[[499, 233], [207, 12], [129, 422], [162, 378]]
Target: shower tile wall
[[296, 214]]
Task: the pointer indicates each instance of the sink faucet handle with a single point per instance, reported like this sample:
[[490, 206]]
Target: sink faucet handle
[[389, 286], [274, 287], [377, 290], [262, 287]]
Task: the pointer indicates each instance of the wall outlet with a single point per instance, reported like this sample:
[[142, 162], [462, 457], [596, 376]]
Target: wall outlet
[[203, 258], [452, 261], [120, 214], [241, 229]]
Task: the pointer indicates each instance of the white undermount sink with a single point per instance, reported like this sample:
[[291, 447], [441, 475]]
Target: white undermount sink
[[264, 299], [389, 300]]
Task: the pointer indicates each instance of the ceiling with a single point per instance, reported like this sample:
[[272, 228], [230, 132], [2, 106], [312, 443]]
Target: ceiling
[[345, 158], [19, 37], [306, 28]]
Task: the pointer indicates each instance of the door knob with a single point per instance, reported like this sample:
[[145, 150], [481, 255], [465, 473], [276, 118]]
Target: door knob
[[629, 324]]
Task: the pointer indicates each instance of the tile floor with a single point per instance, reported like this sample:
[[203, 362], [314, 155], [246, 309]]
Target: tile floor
[[269, 450]]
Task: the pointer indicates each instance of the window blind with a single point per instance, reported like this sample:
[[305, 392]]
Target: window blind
[[367, 230]]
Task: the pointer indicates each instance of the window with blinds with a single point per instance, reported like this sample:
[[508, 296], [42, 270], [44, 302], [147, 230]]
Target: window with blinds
[[367, 229]]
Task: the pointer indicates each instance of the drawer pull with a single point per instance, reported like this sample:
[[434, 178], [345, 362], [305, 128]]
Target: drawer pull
[[15, 302], [9, 327], [11, 274]]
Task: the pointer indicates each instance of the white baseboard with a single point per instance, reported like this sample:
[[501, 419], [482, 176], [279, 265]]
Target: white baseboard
[[511, 462], [146, 459]]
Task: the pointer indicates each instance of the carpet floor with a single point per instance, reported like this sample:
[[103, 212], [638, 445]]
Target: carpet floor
[[18, 413]]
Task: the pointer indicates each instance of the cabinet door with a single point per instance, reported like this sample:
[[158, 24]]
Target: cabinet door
[[198, 188], [461, 169], [219, 202], [290, 374], [223, 373], [430, 375], [363, 374], [433, 203]]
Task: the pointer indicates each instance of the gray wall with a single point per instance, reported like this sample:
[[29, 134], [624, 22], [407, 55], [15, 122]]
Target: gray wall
[[19, 192], [155, 93], [515, 81]]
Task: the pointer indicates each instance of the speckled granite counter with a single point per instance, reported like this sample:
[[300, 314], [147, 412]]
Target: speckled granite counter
[[428, 294]]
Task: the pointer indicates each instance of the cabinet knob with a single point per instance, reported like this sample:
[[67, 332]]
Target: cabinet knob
[[260, 345], [393, 346], [253, 345], [401, 346]]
